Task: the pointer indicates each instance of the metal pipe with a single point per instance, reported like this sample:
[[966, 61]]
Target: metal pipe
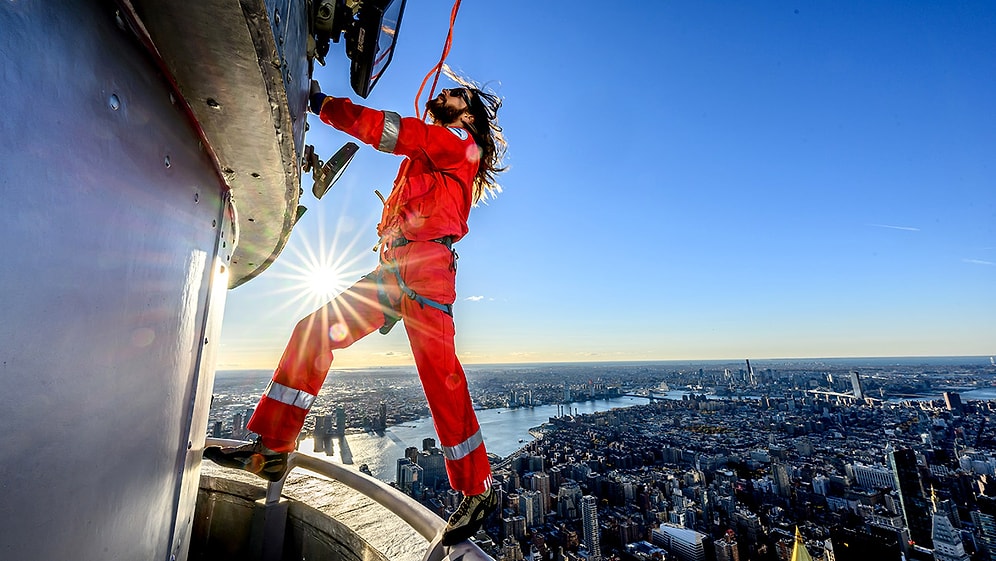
[[421, 519]]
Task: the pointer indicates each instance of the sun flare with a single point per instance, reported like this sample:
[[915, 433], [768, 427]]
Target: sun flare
[[317, 268]]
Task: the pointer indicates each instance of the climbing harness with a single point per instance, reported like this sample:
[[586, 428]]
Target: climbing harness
[[390, 266]]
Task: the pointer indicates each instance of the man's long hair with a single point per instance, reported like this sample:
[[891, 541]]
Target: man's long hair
[[488, 135]]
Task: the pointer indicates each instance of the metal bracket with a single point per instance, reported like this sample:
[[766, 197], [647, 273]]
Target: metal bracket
[[327, 173]]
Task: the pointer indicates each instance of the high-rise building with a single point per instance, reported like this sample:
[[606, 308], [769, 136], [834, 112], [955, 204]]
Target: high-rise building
[[683, 543], [531, 507], [340, 420], [589, 518], [953, 402], [985, 531], [514, 527], [726, 547], [783, 480], [914, 504], [409, 476], [872, 477], [540, 483], [947, 540], [856, 385], [433, 466], [569, 500]]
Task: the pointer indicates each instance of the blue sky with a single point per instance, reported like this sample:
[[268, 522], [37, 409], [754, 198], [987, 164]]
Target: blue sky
[[688, 180]]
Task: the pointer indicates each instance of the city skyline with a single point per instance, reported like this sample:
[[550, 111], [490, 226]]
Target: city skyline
[[738, 181]]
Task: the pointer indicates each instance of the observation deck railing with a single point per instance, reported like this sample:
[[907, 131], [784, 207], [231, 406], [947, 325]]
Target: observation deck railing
[[425, 522]]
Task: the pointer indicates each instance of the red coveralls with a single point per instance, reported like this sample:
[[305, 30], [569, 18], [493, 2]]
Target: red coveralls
[[431, 199]]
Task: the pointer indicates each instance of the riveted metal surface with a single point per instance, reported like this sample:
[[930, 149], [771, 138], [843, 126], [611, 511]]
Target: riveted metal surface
[[245, 79], [112, 221]]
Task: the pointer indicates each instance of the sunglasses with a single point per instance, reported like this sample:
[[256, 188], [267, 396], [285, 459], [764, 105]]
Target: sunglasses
[[463, 93]]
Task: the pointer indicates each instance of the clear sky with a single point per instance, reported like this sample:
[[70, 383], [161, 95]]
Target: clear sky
[[688, 180]]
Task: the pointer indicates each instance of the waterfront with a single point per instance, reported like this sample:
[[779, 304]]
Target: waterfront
[[505, 431]]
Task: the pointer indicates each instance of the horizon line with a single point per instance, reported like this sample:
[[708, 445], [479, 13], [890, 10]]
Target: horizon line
[[646, 361]]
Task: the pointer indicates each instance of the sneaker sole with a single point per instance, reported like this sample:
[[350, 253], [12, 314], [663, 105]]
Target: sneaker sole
[[463, 533]]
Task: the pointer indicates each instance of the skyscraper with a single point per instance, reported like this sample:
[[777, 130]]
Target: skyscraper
[[540, 482], [531, 507], [947, 540], [916, 512], [340, 420], [856, 385], [589, 517], [952, 400]]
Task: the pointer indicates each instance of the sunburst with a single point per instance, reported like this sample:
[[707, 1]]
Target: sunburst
[[315, 274]]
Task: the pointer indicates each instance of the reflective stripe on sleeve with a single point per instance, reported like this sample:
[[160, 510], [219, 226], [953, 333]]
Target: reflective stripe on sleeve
[[464, 448], [296, 398], [389, 136]]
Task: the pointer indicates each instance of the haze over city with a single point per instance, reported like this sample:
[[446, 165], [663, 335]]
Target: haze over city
[[773, 180]]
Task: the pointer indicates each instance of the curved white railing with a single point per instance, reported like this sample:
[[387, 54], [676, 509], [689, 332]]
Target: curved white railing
[[420, 518]]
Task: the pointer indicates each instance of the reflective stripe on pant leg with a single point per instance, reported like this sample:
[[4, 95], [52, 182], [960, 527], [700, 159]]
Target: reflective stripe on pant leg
[[290, 396], [431, 334], [466, 447], [306, 360]]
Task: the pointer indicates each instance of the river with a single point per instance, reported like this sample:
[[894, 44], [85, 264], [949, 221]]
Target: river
[[505, 431]]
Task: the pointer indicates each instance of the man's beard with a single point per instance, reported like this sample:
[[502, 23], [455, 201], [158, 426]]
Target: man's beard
[[440, 112]]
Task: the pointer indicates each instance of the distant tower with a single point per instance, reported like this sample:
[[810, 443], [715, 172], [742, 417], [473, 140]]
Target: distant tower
[[856, 385], [340, 420], [382, 422], [953, 402], [911, 496], [589, 517]]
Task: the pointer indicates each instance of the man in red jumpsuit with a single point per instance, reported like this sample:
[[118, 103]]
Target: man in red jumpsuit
[[450, 164]]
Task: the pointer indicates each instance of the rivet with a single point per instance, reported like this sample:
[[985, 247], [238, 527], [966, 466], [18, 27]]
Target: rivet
[[221, 269], [205, 340], [255, 175], [252, 220], [224, 244], [197, 196], [189, 445], [276, 17], [166, 161], [213, 103], [114, 102], [214, 223]]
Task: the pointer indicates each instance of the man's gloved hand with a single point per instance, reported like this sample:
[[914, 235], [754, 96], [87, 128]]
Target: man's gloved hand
[[317, 98]]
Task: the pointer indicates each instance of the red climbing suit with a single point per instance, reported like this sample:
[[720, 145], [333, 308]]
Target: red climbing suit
[[430, 201]]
